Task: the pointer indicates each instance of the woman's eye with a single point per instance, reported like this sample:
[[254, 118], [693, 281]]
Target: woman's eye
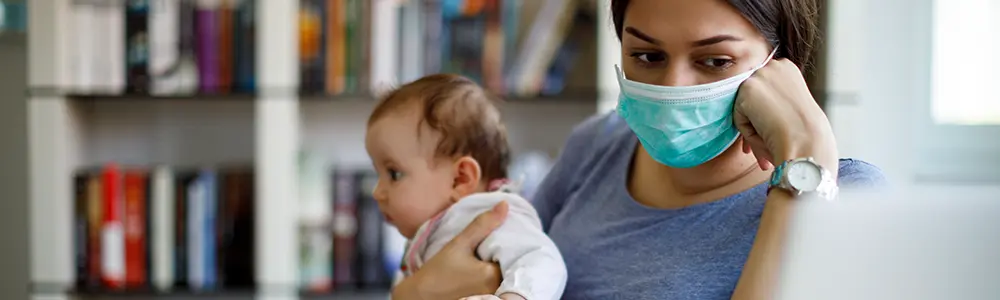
[[395, 175], [650, 57], [717, 63]]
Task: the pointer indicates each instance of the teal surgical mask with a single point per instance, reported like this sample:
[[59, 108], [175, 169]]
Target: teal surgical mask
[[682, 126]]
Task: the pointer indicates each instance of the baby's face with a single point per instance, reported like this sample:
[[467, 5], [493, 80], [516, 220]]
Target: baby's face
[[413, 186]]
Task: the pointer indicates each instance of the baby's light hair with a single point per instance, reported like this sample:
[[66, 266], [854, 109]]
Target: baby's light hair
[[462, 112]]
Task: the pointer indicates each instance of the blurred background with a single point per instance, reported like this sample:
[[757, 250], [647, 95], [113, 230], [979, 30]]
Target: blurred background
[[230, 132]]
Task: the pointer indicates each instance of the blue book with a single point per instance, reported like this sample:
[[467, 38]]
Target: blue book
[[209, 179]]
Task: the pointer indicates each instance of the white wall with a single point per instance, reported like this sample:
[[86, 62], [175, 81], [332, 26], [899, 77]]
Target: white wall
[[183, 132], [335, 129], [879, 71]]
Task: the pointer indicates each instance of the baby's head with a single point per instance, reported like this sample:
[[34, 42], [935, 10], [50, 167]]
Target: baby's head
[[433, 142]]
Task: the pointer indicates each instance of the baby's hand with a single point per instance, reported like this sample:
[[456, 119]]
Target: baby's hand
[[481, 297]]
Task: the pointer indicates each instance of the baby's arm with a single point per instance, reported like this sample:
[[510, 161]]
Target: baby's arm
[[507, 296], [531, 264]]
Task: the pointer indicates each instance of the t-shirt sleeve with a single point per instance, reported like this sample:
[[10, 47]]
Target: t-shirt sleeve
[[858, 174], [561, 180]]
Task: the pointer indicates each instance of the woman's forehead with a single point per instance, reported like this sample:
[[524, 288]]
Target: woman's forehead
[[672, 21]]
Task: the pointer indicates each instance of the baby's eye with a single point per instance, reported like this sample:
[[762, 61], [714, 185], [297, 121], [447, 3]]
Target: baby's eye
[[395, 175]]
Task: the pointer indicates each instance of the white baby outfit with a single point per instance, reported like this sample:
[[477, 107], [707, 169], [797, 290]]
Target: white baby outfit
[[530, 262]]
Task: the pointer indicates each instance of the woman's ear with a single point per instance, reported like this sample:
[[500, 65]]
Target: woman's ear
[[467, 177]]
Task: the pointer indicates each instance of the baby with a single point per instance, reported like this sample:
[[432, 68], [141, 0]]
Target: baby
[[441, 153]]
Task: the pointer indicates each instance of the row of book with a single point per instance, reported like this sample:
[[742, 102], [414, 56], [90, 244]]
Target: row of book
[[163, 47], [352, 45], [137, 228], [169, 229], [345, 243], [184, 47]]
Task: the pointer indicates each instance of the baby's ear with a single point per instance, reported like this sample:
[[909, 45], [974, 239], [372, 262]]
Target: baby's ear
[[467, 176]]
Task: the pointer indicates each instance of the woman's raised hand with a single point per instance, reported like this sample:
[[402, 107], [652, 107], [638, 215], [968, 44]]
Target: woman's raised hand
[[455, 272], [779, 119]]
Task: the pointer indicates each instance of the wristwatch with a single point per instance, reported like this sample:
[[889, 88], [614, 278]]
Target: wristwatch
[[803, 176]]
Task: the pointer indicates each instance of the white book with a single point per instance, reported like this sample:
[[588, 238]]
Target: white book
[[411, 42], [163, 228], [110, 67], [315, 215], [164, 45], [546, 34], [82, 58], [385, 37]]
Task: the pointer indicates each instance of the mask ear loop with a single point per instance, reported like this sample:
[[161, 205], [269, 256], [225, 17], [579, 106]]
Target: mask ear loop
[[770, 57]]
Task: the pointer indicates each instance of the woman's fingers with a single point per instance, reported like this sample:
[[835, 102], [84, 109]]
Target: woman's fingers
[[759, 150], [481, 227]]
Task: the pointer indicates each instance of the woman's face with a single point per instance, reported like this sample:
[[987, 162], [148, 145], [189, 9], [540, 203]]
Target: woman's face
[[685, 42]]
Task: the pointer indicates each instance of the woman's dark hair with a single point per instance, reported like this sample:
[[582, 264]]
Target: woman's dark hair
[[790, 24]]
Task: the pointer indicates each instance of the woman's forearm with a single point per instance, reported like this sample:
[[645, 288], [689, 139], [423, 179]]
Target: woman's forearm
[[760, 273]]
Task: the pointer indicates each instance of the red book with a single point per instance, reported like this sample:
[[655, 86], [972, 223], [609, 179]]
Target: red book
[[135, 229], [112, 239]]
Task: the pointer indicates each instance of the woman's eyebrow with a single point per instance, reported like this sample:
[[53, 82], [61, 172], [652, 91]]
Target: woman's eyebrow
[[715, 40], [642, 36]]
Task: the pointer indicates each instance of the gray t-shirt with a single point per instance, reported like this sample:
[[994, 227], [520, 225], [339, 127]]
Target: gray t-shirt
[[616, 248]]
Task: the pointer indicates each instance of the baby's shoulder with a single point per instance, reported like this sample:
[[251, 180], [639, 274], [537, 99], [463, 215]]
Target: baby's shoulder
[[481, 202], [486, 201]]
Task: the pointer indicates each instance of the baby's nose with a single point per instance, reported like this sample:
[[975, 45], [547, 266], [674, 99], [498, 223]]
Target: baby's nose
[[379, 193]]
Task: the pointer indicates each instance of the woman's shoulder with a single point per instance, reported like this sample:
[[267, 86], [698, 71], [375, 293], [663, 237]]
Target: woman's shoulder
[[597, 132], [859, 173]]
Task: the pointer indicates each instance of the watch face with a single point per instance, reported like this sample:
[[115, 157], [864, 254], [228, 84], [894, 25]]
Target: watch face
[[804, 176]]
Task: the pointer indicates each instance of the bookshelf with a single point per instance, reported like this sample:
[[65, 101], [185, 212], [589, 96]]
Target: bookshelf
[[265, 129]]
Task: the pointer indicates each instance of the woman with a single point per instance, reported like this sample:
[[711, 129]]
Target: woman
[[662, 200]]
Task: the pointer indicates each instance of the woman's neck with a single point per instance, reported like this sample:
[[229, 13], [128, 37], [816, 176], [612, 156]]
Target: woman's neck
[[656, 185]]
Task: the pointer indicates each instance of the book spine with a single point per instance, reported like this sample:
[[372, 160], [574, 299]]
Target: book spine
[[181, 236], [163, 216], [195, 233], [345, 222], [135, 229], [137, 40], [352, 56], [112, 234], [225, 46], [207, 55], [210, 268], [371, 273], [80, 228], [95, 221], [245, 37]]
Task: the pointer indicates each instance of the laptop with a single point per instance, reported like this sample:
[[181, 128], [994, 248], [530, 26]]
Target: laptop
[[871, 245]]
